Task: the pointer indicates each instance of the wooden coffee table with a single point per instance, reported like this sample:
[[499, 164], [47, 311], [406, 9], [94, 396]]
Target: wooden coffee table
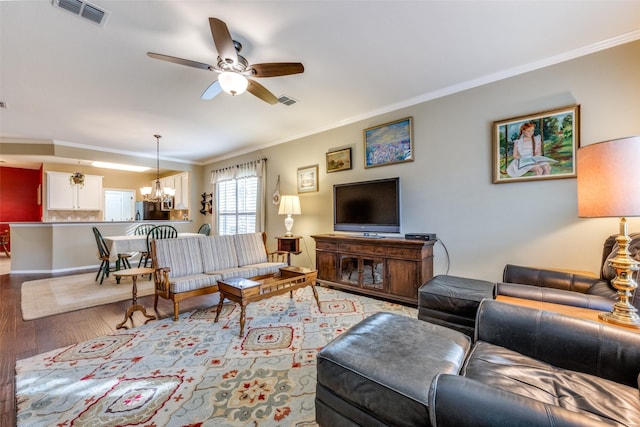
[[244, 291], [134, 273]]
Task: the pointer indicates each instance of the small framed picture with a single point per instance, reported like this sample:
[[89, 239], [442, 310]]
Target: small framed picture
[[389, 143], [308, 179], [339, 160], [536, 146]]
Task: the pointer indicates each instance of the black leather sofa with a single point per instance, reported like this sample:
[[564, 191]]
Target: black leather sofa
[[526, 367], [453, 301], [531, 367], [567, 288]]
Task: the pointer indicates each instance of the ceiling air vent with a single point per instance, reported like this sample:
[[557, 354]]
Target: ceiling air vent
[[287, 100], [83, 9]]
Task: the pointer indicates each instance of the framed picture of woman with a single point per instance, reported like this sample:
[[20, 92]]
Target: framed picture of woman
[[536, 146]]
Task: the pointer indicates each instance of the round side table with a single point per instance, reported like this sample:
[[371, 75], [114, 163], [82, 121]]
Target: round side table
[[134, 273]]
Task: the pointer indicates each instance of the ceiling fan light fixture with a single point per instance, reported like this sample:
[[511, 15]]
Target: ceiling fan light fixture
[[233, 83]]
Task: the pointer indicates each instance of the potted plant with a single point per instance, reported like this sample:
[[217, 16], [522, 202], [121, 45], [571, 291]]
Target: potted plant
[[77, 178]]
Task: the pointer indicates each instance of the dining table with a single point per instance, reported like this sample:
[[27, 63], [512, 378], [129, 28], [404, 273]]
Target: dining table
[[132, 243]]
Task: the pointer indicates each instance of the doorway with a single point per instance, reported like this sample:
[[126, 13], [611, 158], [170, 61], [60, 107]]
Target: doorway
[[119, 205]]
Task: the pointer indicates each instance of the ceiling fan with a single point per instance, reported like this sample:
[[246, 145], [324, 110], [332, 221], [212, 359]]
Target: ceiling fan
[[233, 69]]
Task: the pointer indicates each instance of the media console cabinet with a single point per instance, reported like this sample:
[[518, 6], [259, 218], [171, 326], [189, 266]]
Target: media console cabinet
[[389, 268]]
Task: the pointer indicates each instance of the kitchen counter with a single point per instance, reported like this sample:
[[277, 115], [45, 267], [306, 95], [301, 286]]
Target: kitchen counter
[[61, 247]]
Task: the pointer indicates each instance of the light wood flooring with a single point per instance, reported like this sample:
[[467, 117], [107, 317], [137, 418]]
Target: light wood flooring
[[20, 339]]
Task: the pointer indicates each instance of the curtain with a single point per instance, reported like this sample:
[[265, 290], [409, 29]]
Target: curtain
[[255, 168]]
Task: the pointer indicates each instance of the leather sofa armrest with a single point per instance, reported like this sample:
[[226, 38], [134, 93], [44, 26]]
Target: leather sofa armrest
[[548, 278], [556, 296], [458, 401], [566, 342]]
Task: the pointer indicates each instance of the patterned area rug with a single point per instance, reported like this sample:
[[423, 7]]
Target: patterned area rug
[[195, 372]]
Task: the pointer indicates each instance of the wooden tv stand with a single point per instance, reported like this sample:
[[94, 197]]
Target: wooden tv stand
[[390, 268]]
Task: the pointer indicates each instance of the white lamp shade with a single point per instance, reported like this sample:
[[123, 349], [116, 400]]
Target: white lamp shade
[[233, 83], [145, 191], [289, 205], [608, 182]]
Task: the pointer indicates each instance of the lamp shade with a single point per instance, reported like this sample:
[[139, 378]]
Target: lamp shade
[[289, 205], [609, 178], [233, 83]]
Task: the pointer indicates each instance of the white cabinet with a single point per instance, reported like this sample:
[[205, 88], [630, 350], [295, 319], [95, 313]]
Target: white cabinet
[[90, 195], [63, 195], [180, 183]]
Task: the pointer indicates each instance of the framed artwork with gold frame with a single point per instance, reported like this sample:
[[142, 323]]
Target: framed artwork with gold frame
[[536, 146], [388, 143], [339, 160]]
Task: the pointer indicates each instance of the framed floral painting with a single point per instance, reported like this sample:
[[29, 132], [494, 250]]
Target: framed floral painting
[[389, 143]]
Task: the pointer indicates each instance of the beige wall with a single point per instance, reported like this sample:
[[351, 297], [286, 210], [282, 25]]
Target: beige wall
[[448, 190], [60, 247]]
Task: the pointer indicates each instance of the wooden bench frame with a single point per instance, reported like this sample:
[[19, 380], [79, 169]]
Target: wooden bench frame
[[162, 281]]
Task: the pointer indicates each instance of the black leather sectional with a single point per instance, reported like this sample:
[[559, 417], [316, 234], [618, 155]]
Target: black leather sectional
[[526, 367]]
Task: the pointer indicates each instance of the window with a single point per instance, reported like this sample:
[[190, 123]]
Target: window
[[237, 203]]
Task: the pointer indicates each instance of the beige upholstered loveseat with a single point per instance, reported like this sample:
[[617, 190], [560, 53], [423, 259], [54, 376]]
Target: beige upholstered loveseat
[[190, 266]]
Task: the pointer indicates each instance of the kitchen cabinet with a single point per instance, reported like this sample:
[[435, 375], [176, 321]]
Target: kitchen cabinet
[[63, 195], [180, 183], [182, 190]]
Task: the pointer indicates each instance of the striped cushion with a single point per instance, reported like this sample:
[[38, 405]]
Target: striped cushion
[[250, 249], [182, 255], [244, 272], [265, 268], [192, 282], [218, 253]]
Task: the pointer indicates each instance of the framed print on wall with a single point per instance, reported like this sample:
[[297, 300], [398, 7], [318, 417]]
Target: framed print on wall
[[339, 160], [389, 143], [536, 146], [308, 179]]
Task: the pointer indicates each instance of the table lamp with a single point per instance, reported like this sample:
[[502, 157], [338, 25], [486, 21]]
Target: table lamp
[[609, 186], [289, 205]]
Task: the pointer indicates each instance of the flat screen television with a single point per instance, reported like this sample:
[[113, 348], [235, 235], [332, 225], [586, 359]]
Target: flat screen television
[[367, 206]]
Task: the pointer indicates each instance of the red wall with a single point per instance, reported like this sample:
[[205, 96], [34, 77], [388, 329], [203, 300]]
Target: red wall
[[19, 195]]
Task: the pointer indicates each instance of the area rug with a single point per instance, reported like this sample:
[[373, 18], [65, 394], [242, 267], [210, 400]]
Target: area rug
[[194, 372], [46, 297]]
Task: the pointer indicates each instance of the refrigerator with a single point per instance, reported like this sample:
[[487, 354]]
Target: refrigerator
[[151, 211]]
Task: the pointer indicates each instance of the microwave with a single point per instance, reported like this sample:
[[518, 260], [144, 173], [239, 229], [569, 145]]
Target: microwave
[[167, 204]]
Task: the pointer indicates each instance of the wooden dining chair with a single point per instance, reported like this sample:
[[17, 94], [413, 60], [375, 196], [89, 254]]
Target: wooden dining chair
[[104, 256], [205, 229], [158, 232], [143, 230]]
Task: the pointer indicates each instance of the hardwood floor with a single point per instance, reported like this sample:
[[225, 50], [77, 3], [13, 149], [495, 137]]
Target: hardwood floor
[[20, 339]]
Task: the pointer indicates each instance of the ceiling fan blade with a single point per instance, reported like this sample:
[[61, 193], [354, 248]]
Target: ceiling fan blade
[[262, 92], [212, 91], [223, 41], [274, 69], [180, 61]]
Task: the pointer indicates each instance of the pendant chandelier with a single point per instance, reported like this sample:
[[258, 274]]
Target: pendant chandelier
[[157, 193]]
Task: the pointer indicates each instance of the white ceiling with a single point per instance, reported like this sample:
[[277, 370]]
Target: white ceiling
[[71, 81]]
